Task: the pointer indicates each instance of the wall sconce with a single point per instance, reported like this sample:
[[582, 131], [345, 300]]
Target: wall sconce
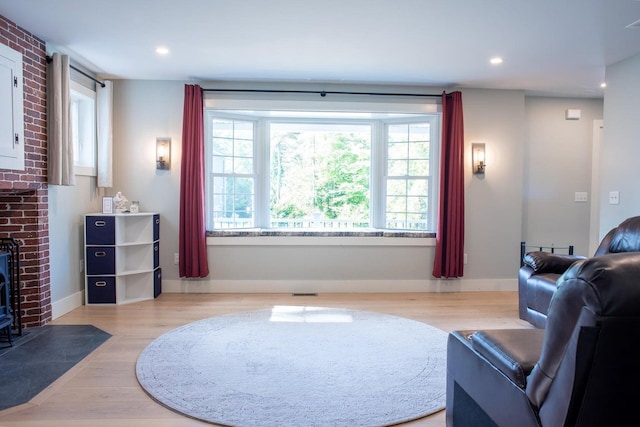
[[477, 157], [163, 153]]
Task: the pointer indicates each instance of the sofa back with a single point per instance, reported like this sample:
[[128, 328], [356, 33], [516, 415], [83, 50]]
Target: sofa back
[[591, 293], [623, 238]]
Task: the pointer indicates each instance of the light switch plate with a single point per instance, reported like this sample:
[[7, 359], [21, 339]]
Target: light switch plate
[[581, 196]]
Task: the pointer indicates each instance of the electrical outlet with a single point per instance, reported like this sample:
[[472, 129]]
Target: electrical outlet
[[465, 258], [614, 197], [176, 258]]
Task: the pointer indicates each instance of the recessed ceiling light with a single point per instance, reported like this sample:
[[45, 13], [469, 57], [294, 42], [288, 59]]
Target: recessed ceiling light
[[496, 60], [603, 85], [161, 50]]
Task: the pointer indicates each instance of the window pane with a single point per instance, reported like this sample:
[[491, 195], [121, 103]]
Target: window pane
[[233, 202], [419, 150], [222, 146], [417, 187], [222, 128], [398, 150], [243, 130], [320, 175], [408, 156], [243, 148], [232, 155], [222, 164], [417, 205], [396, 187], [419, 132], [398, 168], [418, 167], [398, 133], [243, 165], [83, 125]]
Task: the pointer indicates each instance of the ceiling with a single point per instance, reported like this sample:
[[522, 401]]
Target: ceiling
[[550, 47]]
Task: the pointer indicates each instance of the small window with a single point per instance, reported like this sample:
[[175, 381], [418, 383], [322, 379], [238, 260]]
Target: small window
[[83, 129], [407, 204], [232, 173]]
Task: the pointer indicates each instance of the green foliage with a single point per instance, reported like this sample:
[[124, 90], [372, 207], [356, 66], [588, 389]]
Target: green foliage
[[320, 171]]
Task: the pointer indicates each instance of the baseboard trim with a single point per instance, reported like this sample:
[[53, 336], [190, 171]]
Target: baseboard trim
[[67, 304], [204, 286]]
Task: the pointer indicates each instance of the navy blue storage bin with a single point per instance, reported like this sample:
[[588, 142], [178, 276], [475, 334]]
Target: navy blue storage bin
[[101, 260], [157, 282], [101, 290], [100, 230], [156, 227], [156, 254]]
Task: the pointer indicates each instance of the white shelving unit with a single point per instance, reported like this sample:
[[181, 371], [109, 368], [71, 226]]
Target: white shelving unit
[[122, 258]]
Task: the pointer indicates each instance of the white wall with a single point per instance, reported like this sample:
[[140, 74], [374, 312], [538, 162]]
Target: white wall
[[620, 169], [144, 110], [494, 200], [559, 154], [66, 239]]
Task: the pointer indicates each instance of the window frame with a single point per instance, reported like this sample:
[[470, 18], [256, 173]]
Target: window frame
[[378, 171], [433, 177], [89, 121], [209, 174]]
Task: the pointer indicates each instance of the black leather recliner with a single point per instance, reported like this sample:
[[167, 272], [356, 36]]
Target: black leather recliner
[[537, 277], [581, 370]]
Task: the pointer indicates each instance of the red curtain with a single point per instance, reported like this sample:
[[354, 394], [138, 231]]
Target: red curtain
[[193, 239], [448, 262]]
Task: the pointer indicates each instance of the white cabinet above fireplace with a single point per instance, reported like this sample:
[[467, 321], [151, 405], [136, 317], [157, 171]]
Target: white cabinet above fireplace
[[11, 110]]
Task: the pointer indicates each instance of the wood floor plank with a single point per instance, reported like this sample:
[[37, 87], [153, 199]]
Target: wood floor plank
[[102, 390]]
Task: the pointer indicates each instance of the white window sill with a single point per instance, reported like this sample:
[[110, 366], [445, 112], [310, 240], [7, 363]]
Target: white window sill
[[260, 237], [85, 171]]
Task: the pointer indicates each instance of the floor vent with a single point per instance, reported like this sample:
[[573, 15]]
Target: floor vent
[[304, 294]]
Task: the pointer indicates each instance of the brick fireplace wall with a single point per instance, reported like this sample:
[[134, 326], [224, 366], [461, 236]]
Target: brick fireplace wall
[[24, 212]]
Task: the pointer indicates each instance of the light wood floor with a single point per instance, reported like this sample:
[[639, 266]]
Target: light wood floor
[[102, 390]]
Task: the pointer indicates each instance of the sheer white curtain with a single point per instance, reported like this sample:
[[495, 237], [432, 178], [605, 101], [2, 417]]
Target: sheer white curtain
[[61, 169], [104, 108]]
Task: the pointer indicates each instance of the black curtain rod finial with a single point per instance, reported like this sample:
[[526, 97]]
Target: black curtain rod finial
[[89, 76]]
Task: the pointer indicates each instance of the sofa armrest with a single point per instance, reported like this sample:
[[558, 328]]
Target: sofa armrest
[[546, 262], [514, 352], [496, 395]]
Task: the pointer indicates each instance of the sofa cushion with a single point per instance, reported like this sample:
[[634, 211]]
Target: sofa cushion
[[546, 262]]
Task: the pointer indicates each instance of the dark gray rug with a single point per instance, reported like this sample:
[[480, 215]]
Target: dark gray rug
[[299, 366], [40, 357]]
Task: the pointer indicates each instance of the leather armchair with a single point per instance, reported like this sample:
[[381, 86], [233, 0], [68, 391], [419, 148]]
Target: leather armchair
[[581, 370], [540, 271]]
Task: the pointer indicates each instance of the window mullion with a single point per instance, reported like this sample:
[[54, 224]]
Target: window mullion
[[262, 173], [377, 190]]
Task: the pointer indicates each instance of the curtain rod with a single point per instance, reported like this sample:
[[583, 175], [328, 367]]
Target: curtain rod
[[49, 59], [324, 93]]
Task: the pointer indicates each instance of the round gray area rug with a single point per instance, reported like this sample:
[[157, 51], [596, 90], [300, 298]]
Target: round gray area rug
[[299, 366]]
